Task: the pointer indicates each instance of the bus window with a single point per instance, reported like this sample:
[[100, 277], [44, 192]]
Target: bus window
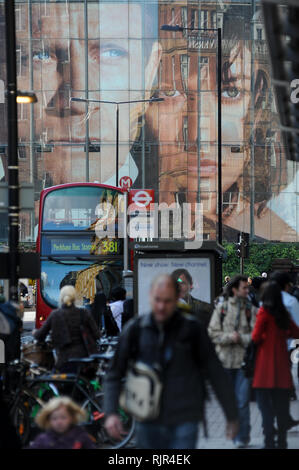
[[77, 208]]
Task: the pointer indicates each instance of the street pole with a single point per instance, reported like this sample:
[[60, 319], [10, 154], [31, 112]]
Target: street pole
[[241, 265], [127, 274], [252, 126], [33, 165], [86, 90], [12, 147], [126, 238], [117, 146], [219, 79]]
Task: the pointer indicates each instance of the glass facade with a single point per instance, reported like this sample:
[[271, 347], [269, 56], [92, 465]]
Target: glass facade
[[116, 51]]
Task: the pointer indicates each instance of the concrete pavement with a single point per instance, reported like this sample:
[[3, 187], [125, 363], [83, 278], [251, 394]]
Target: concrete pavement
[[216, 426], [29, 320]]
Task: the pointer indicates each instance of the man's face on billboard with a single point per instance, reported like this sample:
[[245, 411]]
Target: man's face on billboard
[[185, 286], [116, 67]]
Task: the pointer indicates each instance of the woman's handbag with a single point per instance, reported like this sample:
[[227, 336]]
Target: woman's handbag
[[248, 365], [141, 394], [38, 353]]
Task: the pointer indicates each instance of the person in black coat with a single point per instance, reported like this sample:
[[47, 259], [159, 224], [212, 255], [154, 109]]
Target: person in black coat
[[98, 308], [8, 435], [65, 324]]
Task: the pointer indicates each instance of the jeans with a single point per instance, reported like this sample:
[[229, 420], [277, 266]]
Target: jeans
[[242, 386], [158, 436], [274, 403]]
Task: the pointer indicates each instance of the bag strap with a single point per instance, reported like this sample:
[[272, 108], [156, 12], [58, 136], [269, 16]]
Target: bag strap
[[223, 312], [134, 340], [248, 313]]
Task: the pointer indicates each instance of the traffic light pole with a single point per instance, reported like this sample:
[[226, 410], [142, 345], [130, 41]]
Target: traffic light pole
[[117, 147], [242, 265], [127, 274], [243, 249], [219, 118], [12, 149]]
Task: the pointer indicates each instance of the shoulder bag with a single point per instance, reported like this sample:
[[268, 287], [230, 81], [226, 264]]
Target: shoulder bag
[[142, 388]]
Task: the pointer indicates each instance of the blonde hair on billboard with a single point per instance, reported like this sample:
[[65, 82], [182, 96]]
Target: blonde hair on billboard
[[43, 417], [67, 296]]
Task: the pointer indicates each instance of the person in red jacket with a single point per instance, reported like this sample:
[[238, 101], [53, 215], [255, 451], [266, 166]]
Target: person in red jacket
[[272, 376]]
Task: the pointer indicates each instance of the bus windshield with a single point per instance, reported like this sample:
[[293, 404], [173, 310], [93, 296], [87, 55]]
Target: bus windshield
[[78, 207]]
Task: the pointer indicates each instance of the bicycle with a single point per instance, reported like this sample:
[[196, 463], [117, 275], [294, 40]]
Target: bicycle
[[36, 389], [16, 384]]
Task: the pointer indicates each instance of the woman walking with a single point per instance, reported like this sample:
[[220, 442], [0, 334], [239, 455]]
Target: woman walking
[[272, 377], [65, 325]]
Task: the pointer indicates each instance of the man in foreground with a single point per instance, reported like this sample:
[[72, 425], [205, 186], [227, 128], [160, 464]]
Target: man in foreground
[[181, 348]]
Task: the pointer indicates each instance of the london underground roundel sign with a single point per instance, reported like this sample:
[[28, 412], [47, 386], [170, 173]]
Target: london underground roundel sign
[[141, 197]]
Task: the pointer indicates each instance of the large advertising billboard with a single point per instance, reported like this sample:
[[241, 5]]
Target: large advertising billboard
[[116, 51]]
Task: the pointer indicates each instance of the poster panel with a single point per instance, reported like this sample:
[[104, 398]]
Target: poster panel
[[194, 272]]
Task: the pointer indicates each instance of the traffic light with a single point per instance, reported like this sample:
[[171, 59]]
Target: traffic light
[[238, 249], [242, 247]]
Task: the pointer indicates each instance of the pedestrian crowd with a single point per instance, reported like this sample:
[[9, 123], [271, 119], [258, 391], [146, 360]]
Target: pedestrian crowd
[[164, 360]]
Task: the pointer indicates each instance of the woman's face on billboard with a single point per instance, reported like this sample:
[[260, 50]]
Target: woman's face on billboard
[[235, 105], [115, 71]]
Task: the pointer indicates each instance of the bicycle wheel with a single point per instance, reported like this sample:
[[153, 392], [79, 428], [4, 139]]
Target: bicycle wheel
[[27, 406], [96, 417], [20, 417]]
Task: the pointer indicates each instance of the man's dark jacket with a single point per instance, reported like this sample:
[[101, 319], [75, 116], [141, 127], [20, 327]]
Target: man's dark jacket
[[186, 354]]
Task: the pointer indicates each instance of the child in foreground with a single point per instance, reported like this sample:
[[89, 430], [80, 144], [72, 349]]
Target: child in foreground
[[60, 419]]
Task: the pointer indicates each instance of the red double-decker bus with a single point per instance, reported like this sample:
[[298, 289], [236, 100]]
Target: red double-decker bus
[[71, 250]]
